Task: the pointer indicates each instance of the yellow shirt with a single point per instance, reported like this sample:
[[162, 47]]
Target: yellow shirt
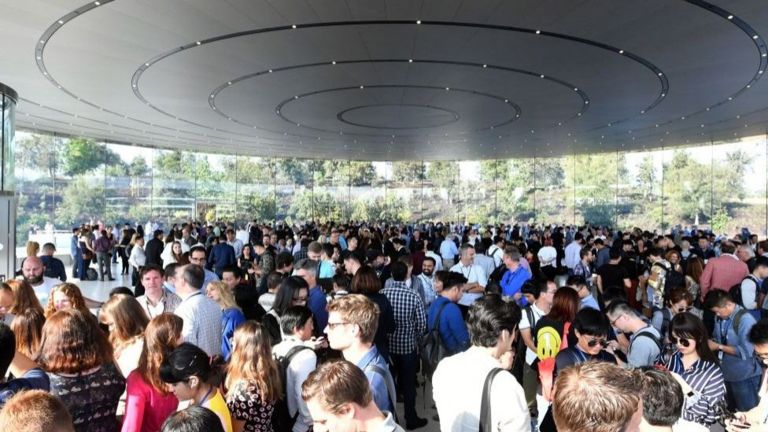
[[219, 407]]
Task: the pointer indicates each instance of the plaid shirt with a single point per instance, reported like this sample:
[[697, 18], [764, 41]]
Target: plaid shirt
[[410, 318]]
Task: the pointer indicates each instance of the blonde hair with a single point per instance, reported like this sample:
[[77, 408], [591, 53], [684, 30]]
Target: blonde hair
[[33, 248], [252, 361], [35, 410], [74, 295], [359, 310], [128, 317], [226, 297]]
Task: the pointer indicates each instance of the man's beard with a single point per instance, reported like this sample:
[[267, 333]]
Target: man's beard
[[36, 280], [427, 273]]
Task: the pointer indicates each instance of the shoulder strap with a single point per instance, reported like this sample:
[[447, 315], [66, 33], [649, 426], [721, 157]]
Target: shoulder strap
[[737, 320], [486, 422], [292, 352], [388, 381], [651, 337], [531, 316], [437, 317]]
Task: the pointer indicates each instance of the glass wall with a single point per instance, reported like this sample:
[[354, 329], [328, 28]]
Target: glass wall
[[62, 182]]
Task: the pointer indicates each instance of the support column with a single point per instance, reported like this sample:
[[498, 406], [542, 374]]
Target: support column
[[8, 201]]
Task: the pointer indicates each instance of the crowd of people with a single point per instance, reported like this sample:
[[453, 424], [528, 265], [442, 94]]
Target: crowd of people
[[331, 326]]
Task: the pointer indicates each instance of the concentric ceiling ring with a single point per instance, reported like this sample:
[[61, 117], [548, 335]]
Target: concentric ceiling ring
[[342, 116]]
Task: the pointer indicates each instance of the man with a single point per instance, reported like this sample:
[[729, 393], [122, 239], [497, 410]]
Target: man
[[515, 277], [222, 255], [54, 268], [307, 270], [297, 330], [75, 252], [544, 294], [314, 251], [613, 274], [587, 300], [446, 316], [340, 400], [704, 249], [352, 260], [473, 273], [645, 342], [427, 280], [187, 241], [154, 249], [724, 271], [410, 319], [747, 255], [266, 263], [602, 254], [326, 267], [572, 252], [584, 267], [755, 419], [741, 369], [32, 271], [411, 280], [235, 242], [496, 251], [103, 247], [432, 254], [197, 257], [597, 397], [481, 259], [201, 315], [547, 261], [352, 323], [662, 401], [458, 380], [750, 286], [448, 251], [283, 265], [35, 410], [28, 376], [246, 296], [303, 251], [156, 299]]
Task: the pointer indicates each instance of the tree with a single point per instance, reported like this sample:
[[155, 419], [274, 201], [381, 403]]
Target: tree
[[646, 177], [408, 171], [82, 155], [443, 174]]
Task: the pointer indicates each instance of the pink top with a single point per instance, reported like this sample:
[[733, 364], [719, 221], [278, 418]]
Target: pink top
[[145, 408]]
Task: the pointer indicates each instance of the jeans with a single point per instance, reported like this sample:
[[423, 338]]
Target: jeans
[[742, 395], [76, 263], [82, 268], [105, 266], [405, 372]]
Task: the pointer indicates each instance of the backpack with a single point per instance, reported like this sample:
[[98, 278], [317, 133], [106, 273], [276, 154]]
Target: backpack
[[650, 336], [432, 348], [735, 293], [666, 317], [517, 365], [282, 420], [674, 279]]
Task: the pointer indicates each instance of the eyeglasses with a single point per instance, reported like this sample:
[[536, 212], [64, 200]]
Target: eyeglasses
[[595, 341], [683, 341], [334, 325], [613, 322], [763, 356]]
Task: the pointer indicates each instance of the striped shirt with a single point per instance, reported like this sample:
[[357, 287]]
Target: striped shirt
[[708, 385]]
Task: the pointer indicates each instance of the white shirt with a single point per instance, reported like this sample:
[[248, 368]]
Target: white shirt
[[497, 254], [473, 273], [572, 252], [530, 355], [438, 260], [457, 390], [237, 245], [43, 290], [297, 372], [547, 256], [486, 263], [138, 258]]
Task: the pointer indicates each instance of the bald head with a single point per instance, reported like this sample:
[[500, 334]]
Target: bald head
[[33, 269]]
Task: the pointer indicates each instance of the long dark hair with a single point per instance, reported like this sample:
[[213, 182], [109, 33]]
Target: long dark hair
[[689, 326], [286, 291]]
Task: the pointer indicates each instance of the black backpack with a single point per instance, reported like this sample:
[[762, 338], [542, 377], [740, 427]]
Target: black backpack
[[735, 293], [432, 348], [282, 420]]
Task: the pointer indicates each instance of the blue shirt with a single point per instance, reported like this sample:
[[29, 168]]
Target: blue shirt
[[512, 282], [589, 302], [452, 328], [376, 380], [743, 365], [222, 255], [230, 319], [448, 249], [74, 246], [317, 303], [33, 379]]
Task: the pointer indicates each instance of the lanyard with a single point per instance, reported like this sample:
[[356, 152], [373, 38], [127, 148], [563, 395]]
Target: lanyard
[[724, 333], [467, 275]]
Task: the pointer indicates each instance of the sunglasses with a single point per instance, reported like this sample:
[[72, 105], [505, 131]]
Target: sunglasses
[[688, 309], [595, 341], [682, 341]]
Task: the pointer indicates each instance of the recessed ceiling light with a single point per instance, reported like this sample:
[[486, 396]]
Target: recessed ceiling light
[[642, 112], [682, 118], [576, 89], [39, 58], [730, 98], [410, 60], [198, 43], [506, 100], [485, 65], [146, 64], [418, 22], [295, 97], [663, 94], [270, 71], [765, 55], [538, 31], [730, 17], [661, 74], [96, 3], [333, 62], [760, 72], [61, 21], [586, 102], [447, 88], [621, 51], [42, 41], [362, 87], [755, 37], [541, 76], [293, 26], [229, 83]]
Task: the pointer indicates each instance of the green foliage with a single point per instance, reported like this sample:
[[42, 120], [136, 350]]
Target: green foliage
[[720, 220], [443, 174], [82, 155], [408, 172], [82, 200]]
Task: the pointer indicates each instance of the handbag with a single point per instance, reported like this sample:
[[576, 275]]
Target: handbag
[[486, 424]]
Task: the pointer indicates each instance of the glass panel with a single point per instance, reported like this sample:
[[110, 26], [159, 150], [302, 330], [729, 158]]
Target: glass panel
[[639, 191], [294, 189], [255, 189], [595, 188], [128, 184], [35, 161], [441, 191], [215, 187], [8, 114], [687, 186], [367, 189], [80, 180], [405, 185], [478, 196], [331, 190], [554, 189], [173, 186]]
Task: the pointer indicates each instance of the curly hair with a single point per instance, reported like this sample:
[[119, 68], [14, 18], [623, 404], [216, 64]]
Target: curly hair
[[72, 342], [252, 361], [74, 295]]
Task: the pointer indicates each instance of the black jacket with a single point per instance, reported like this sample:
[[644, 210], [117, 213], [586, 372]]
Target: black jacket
[[153, 250]]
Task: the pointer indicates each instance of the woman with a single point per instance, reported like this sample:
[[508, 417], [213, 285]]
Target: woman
[[367, 283], [252, 379], [122, 250], [27, 327], [17, 296], [88, 253], [126, 321], [693, 270], [293, 291], [78, 360], [148, 401], [553, 333], [137, 260], [677, 301], [699, 368], [231, 315], [65, 296], [177, 253], [246, 260], [190, 375]]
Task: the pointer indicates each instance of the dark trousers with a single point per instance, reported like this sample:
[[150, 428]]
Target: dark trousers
[[83, 265], [76, 263], [405, 372]]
